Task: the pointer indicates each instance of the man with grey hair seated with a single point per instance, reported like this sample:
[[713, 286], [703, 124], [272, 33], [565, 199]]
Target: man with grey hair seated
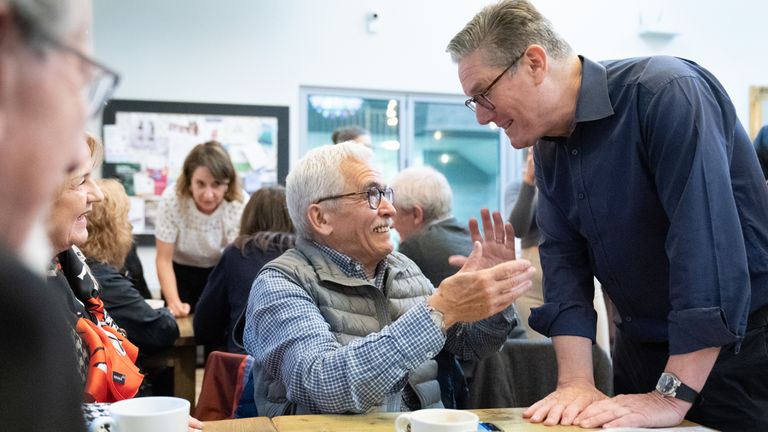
[[429, 233], [342, 324]]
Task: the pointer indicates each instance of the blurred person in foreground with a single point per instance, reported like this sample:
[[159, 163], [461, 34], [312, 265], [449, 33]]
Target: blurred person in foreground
[[647, 181], [342, 324], [50, 86]]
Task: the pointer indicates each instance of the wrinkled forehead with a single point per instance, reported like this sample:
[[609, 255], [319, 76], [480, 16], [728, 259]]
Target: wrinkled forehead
[[359, 174]]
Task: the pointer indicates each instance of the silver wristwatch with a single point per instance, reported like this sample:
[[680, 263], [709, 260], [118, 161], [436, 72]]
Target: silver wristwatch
[[669, 385]]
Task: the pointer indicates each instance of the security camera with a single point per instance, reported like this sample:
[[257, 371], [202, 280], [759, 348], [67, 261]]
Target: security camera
[[374, 22]]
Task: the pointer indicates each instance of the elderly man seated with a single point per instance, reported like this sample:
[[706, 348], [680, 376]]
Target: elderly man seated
[[341, 324]]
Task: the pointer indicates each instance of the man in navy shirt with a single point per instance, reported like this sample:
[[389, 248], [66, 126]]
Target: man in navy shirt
[[648, 182]]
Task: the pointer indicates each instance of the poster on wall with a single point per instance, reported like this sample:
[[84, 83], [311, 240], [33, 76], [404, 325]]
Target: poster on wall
[[146, 142]]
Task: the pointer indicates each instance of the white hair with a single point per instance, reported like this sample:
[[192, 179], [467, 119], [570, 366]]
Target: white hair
[[55, 18], [319, 175], [426, 187]]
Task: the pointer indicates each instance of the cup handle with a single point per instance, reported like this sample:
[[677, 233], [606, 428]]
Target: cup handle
[[99, 422], [403, 423]]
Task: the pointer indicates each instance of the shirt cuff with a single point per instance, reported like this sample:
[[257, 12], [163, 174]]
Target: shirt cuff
[[417, 337], [698, 328], [502, 322], [564, 319]]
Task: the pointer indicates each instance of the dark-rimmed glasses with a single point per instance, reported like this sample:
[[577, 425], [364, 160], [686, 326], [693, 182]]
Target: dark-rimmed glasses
[[374, 196], [482, 97], [102, 80]]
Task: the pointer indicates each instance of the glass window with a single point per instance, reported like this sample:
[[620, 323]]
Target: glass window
[[447, 137], [380, 116], [414, 130]]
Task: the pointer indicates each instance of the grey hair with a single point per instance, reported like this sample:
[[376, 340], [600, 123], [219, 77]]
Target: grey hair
[[505, 30], [319, 174], [426, 187], [52, 18]]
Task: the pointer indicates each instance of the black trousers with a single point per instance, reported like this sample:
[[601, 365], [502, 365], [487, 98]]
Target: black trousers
[[735, 396], [190, 282]]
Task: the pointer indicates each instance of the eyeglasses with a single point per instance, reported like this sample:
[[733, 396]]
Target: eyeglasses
[[374, 196], [102, 80], [482, 98]]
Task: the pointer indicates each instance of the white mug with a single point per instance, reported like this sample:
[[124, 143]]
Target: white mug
[[437, 420], [146, 414]]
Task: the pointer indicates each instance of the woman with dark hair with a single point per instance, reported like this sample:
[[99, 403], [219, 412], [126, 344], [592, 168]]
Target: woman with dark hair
[[266, 232], [195, 221]]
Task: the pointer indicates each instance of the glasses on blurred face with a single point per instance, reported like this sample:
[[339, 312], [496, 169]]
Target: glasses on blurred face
[[482, 97], [373, 193], [101, 80]]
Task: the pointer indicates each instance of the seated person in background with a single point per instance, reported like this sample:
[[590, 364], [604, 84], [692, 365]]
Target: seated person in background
[[109, 240], [77, 290], [98, 340], [342, 324], [196, 219], [266, 232], [352, 133], [429, 235]]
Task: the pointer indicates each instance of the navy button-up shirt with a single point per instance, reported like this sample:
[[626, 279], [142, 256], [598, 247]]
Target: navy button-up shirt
[[658, 193]]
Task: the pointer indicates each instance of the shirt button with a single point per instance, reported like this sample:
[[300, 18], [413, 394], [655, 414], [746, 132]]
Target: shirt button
[[574, 152], [581, 195], [430, 354], [628, 318]]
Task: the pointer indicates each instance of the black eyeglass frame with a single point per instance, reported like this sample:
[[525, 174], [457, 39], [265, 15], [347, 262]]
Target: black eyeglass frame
[[374, 193], [482, 97]]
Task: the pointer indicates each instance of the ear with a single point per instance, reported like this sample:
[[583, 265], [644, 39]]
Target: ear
[[418, 215], [318, 220], [537, 62]]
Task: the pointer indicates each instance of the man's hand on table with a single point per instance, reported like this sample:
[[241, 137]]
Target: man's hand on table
[[564, 404], [635, 410]]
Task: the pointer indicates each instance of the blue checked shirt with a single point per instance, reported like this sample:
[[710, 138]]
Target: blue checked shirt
[[286, 333]]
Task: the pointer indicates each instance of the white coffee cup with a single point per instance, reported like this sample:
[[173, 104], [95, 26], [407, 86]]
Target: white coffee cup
[[146, 414], [437, 420]]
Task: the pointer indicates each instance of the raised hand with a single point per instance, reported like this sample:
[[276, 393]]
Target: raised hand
[[497, 241]]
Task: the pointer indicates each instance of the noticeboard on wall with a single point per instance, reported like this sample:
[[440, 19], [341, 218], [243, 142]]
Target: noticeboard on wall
[[146, 142]]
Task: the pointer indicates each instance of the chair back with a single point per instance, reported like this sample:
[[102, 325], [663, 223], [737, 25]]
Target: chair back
[[525, 371], [223, 380]]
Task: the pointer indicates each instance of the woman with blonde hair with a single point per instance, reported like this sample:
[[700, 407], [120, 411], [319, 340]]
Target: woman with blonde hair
[[109, 241], [195, 221]]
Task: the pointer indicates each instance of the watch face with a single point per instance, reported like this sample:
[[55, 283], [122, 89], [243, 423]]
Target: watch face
[[667, 384]]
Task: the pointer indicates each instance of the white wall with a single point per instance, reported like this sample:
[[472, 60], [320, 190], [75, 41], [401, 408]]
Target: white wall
[[261, 52]]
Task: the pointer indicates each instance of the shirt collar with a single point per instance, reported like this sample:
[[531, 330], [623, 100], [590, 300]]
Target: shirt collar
[[594, 102], [353, 268]]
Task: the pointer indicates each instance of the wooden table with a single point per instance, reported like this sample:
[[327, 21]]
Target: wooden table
[[182, 357], [507, 419], [254, 424]]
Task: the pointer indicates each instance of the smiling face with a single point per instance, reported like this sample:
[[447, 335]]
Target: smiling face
[[207, 192], [68, 223], [352, 227], [517, 97]]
